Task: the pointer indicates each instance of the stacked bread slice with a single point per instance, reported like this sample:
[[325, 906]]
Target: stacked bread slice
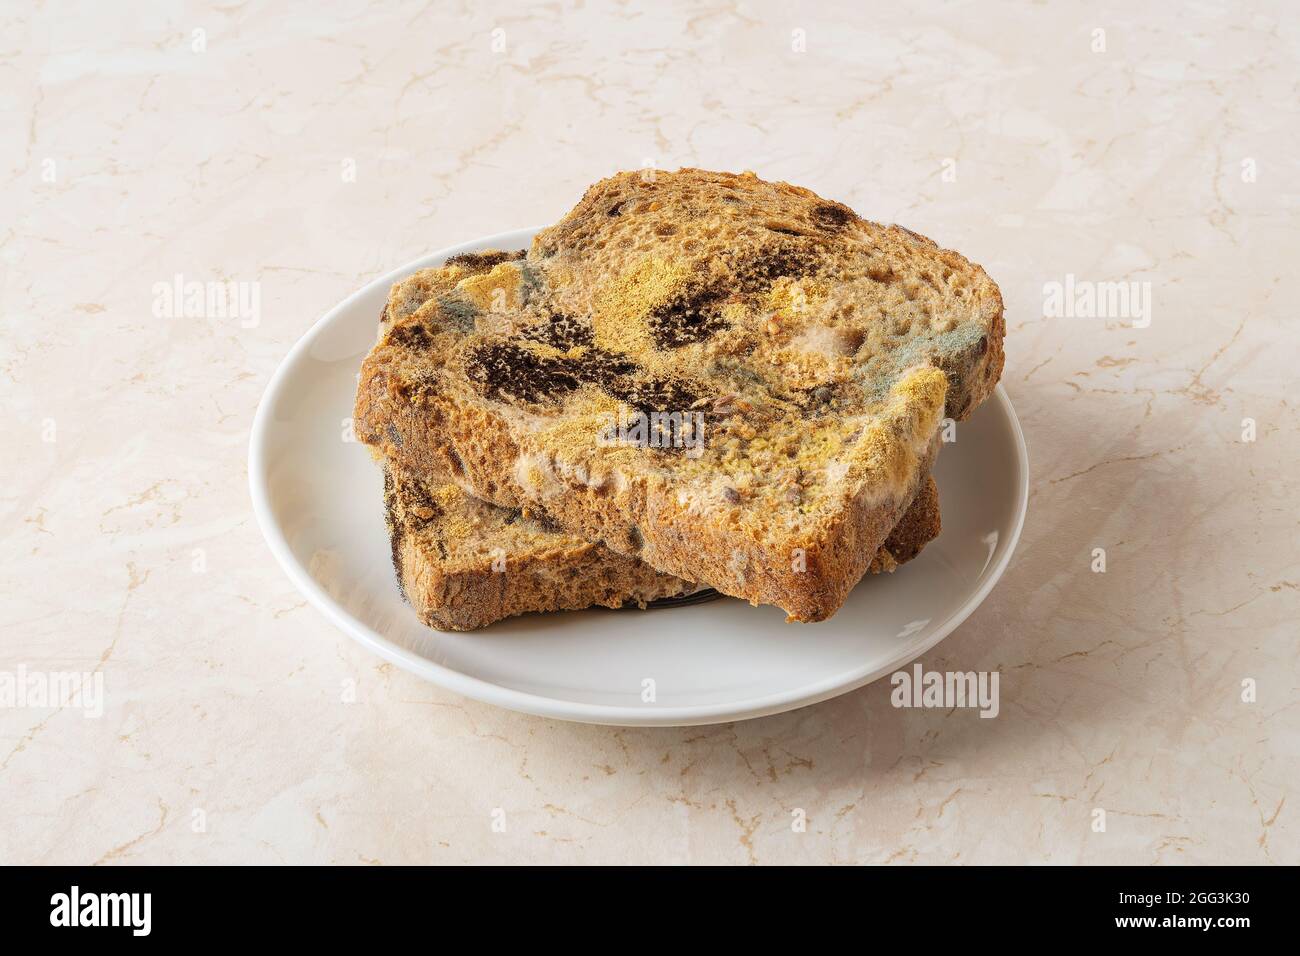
[[693, 380], [462, 563]]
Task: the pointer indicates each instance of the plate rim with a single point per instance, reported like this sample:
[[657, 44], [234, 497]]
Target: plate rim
[[613, 715]]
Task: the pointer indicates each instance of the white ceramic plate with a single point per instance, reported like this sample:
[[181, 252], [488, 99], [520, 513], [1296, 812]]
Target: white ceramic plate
[[318, 500]]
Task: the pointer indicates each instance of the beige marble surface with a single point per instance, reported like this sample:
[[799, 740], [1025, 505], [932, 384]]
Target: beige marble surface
[[132, 152]]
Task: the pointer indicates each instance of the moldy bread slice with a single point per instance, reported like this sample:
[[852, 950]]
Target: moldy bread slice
[[813, 352], [462, 563]]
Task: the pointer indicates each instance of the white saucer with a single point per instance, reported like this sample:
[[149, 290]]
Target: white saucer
[[318, 500]]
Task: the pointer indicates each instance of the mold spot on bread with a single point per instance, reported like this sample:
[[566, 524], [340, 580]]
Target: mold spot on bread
[[458, 313], [756, 272], [543, 518], [421, 509], [635, 540], [649, 394], [415, 386], [413, 336], [562, 332], [476, 261], [687, 320], [454, 462], [832, 216], [395, 551], [504, 370]]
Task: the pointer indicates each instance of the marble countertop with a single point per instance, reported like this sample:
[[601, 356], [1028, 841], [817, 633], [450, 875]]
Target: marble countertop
[[306, 148]]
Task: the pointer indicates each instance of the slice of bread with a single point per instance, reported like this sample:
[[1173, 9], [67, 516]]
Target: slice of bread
[[807, 355], [463, 564]]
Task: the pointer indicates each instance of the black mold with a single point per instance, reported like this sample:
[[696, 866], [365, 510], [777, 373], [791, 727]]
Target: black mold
[[780, 260], [831, 216], [692, 318], [421, 510], [562, 332], [414, 337], [503, 370], [508, 371], [485, 260]]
